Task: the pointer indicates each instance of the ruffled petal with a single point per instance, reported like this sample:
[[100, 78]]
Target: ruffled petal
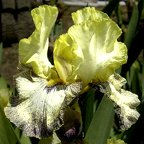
[[125, 102], [33, 50], [89, 51], [88, 13], [38, 109]]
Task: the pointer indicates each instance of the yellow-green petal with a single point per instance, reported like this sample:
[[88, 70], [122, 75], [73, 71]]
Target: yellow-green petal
[[115, 141], [4, 92], [88, 13], [65, 58], [33, 50], [89, 51]]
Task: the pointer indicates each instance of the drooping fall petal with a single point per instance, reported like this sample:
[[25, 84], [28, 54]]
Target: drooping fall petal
[[38, 109], [125, 102]]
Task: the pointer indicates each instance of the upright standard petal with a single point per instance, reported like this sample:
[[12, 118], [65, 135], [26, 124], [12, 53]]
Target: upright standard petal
[[33, 50], [89, 51], [88, 13]]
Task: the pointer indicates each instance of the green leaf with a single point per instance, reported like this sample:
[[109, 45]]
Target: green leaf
[[50, 140], [132, 27], [111, 6], [134, 37], [7, 134], [22, 138], [119, 15], [134, 78], [101, 124], [25, 140], [33, 50], [142, 80], [140, 7], [1, 52], [88, 109]]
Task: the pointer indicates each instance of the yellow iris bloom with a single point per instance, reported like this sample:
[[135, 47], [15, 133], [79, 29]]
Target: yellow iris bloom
[[88, 53]]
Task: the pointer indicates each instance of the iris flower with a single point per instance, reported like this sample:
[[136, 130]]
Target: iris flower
[[125, 102], [88, 53]]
